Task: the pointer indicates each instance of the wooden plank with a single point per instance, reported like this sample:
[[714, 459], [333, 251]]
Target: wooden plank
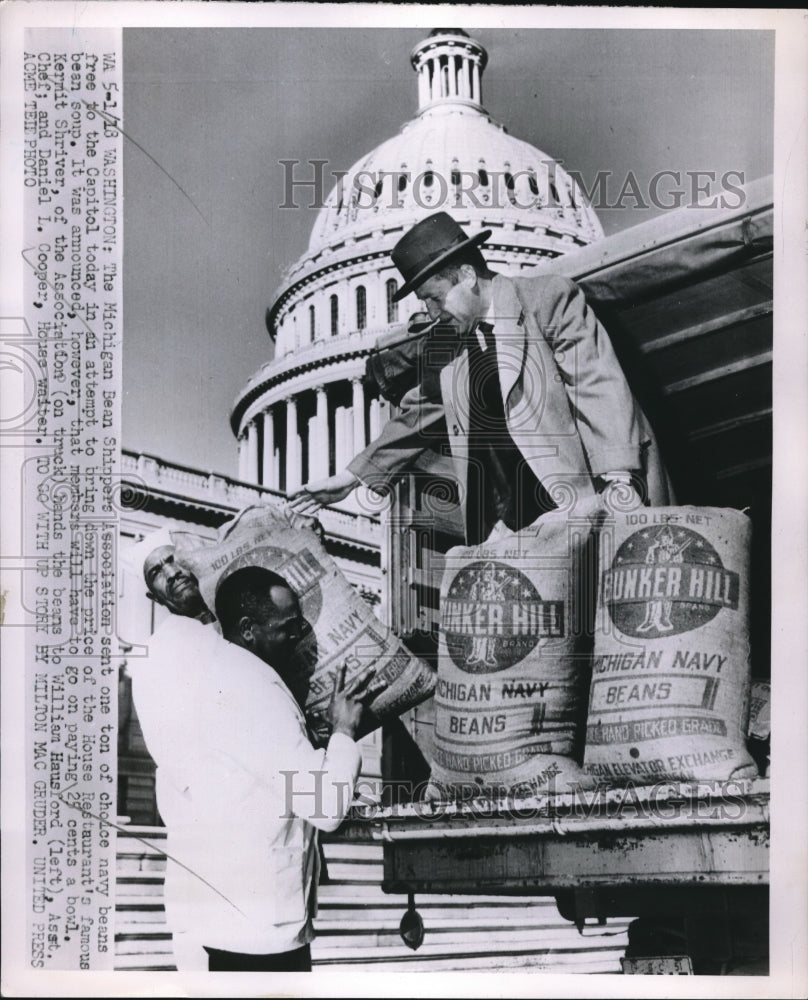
[[736, 423], [671, 857], [739, 470], [723, 371], [709, 326]]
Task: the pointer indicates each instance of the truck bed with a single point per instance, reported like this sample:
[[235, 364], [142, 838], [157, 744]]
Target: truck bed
[[670, 835]]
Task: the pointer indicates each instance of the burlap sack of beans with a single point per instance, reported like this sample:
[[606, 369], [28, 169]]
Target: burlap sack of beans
[[669, 696], [344, 629], [513, 668]]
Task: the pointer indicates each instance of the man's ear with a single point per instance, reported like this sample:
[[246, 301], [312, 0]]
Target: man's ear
[[470, 276], [244, 631], [154, 597]]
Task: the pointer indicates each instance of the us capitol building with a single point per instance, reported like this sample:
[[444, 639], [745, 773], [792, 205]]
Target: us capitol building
[[304, 414]]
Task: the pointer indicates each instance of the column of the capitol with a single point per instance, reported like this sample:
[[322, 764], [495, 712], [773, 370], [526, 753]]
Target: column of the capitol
[[252, 452], [242, 457], [343, 437], [423, 85], [269, 477], [293, 463], [375, 419], [359, 441], [319, 445]]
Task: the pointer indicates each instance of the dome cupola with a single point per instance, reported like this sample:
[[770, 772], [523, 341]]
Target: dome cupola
[[450, 66]]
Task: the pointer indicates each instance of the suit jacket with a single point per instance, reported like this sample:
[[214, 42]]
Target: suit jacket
[[567, 404]]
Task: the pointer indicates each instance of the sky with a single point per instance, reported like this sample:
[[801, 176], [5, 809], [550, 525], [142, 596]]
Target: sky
[[210, 113]]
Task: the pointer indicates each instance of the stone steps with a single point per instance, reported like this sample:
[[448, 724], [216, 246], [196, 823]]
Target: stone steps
[[358, 924]]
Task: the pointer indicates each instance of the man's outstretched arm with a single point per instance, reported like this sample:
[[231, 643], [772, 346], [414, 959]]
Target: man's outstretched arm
[[417, 425]]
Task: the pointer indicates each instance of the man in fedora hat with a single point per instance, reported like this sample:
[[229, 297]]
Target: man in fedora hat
[[534, 403]]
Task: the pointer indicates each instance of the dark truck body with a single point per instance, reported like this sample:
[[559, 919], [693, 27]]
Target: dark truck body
[[687, 301]]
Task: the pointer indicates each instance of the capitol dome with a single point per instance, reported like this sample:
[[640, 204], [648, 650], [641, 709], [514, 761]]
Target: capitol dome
[[304, 415], [454, 157]]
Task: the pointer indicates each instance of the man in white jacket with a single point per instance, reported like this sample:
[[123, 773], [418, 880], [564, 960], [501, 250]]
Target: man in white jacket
[[240, 788]]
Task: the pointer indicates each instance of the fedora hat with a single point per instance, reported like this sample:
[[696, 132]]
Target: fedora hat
[[427, 247]]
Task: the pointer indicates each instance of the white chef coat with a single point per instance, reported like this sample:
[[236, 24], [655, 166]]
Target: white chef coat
[[241, 834]]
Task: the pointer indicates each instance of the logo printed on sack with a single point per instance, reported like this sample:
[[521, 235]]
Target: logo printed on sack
[[493, 617], [665, 581]]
